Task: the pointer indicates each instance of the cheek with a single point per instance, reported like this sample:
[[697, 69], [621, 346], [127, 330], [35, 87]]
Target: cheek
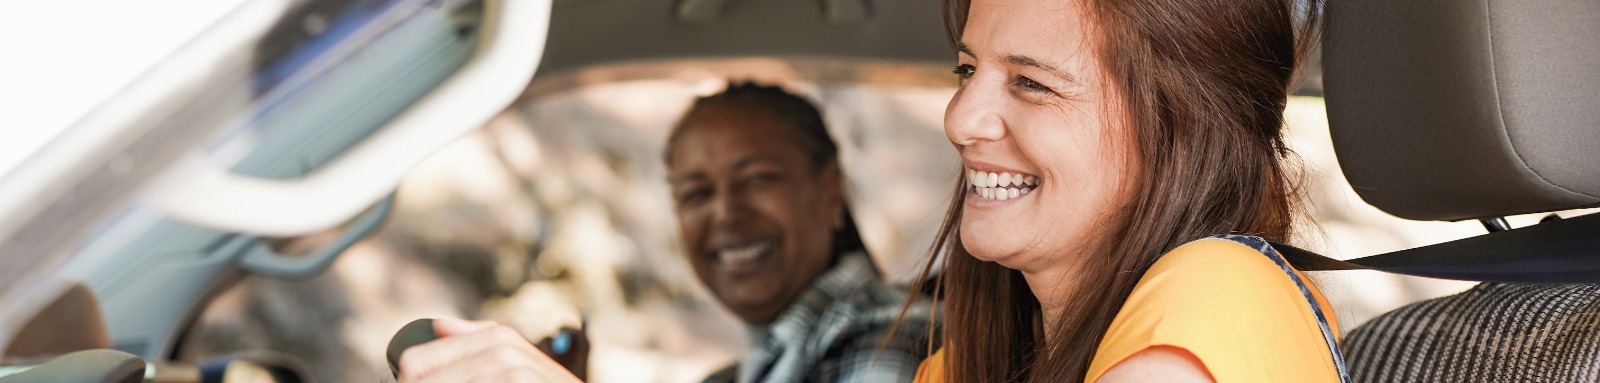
[[799, 216], [1085, 165], [803, 221], [691, 228]]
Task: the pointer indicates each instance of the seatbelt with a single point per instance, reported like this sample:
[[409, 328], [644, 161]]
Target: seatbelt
[[1558, 251]]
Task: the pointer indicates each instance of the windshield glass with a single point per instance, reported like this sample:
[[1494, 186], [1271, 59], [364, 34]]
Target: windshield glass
[[65, 58]]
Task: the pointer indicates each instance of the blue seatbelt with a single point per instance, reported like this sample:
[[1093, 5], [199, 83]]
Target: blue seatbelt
[[1557, 251]]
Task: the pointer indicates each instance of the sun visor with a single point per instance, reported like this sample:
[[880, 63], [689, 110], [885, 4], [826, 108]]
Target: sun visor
[[1461, 109]]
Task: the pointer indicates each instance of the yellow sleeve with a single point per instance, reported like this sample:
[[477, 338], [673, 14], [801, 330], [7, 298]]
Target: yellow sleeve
[[932, 369], [1232, 307]]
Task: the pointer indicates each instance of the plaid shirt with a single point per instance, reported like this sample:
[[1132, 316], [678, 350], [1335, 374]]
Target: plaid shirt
[[833, 332]]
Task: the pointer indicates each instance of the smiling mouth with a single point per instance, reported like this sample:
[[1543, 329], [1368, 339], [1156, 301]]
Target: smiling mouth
[[1000, 186], [743, 257]]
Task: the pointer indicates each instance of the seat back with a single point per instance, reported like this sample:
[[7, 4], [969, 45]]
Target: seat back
[[1461, 109]]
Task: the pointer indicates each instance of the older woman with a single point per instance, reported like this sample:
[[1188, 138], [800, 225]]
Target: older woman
[[763, 219], [761, 210], [1123, 166]]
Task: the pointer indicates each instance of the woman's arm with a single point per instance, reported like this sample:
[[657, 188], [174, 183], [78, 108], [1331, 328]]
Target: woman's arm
[[1159, 364]]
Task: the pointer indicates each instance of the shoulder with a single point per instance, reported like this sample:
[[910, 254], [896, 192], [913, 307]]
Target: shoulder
[[1234, 304], [932, 369], [866, 303], [1212, 286], [861, 335], [1216, 266], [867, 318], [868, 345]]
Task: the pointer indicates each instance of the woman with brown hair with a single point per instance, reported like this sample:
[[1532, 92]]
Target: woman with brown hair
[[1123, 174]]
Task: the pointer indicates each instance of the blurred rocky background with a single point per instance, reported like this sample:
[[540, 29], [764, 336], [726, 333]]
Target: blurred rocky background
[[556, 213]]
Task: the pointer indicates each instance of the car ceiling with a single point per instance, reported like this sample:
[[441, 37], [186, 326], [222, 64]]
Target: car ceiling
[[596, 32]]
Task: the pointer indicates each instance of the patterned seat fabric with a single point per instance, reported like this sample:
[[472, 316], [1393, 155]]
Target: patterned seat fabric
[[1494, 332]]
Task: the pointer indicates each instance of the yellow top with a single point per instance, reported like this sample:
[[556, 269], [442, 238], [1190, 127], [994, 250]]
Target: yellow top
[[1230, 305]]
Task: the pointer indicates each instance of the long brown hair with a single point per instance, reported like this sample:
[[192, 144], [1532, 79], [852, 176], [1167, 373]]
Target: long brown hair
[[1203, 86]]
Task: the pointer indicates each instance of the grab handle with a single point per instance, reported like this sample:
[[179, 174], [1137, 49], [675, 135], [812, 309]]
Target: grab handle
[[512, 44], [261, 259]]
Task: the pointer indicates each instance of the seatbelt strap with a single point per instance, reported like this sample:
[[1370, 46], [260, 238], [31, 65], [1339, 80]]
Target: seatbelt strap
[[1558, 251]]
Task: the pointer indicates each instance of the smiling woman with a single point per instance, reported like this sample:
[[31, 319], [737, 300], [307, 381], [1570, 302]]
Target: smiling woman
[[763, 221], [761, 210], [758, 204], [1102, 140]]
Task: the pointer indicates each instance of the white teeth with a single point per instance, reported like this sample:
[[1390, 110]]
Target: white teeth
[[1001, 186], [743, 253], [1002, 194]]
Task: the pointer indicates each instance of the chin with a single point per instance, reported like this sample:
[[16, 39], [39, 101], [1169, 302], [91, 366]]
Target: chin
[[986, 246]]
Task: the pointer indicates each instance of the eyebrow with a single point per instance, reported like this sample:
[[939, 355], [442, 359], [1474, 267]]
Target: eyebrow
[[1029, 61], [1024, 61], [688, 177], [698, 175], [751, 160], [963, 48]]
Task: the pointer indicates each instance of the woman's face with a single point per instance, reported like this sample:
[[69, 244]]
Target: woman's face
[[757, 218], [1038, 131]]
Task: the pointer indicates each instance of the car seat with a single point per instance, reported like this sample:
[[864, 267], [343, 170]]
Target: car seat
[[1474, 109]]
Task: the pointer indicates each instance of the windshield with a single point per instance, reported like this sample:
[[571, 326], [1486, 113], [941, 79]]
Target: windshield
[[66, 58]]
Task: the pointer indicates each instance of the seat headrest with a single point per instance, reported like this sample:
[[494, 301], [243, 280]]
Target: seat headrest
[[1460, 109]]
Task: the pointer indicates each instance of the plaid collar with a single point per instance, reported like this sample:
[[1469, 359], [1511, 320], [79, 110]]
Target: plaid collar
[[785, 348]]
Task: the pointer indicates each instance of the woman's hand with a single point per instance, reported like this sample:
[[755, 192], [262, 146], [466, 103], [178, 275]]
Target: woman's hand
[[478, 351]]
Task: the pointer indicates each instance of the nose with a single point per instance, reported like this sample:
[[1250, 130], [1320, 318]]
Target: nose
[[973, 115], [726, 207]]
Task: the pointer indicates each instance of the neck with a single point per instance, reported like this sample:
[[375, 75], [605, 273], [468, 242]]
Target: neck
[[1053, 287]]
